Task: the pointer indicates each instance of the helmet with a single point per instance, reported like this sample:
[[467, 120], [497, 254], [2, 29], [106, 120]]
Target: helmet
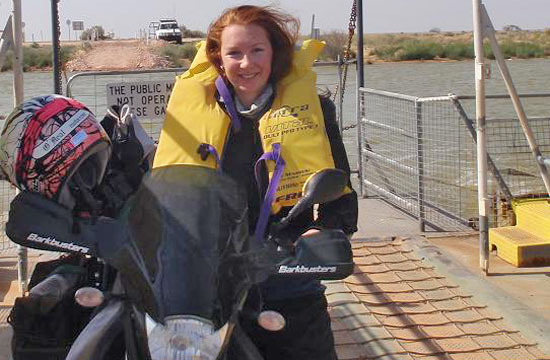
[[54, 146]]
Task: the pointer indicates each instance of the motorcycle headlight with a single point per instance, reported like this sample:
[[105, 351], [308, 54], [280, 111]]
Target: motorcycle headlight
[[186, 338]]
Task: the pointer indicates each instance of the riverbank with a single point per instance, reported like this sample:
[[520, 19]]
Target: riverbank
[[424, 47], [445, 46], [101, 55]]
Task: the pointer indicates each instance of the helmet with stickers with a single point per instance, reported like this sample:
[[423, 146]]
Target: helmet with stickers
[[54, 146]]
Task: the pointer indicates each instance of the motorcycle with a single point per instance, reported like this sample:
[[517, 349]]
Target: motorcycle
[[180, 296], [175, 279]]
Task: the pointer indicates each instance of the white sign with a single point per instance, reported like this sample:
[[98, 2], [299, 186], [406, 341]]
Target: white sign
[[147, 99], [78, 25]]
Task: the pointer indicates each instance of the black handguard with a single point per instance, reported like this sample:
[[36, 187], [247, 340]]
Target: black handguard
[[326, 255], [40, 223], [37, 222]]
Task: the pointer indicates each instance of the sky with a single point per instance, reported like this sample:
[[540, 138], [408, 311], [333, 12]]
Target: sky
[[126, 17]]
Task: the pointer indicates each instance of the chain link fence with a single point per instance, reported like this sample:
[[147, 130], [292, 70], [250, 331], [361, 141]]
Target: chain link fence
[[419, 154], [509, 149], [7, 193]]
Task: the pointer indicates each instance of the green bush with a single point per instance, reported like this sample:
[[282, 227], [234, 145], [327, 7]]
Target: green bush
[[386, 52], [8, 62], [420, 51], [96, 31], [521, 50], [43, 62], [67, 53], [488, 51], [516, 44], [178, 53], [38, 57], [458, 51], [410, 50], [189, 50], [187, 33]]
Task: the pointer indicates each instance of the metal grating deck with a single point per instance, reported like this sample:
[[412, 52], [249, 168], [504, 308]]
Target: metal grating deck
[[395, 307]]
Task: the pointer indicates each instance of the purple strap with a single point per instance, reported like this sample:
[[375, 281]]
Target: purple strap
[[229, 104], [274, 155]]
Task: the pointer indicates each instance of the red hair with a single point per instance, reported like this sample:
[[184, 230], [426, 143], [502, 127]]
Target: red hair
[[282, 30]]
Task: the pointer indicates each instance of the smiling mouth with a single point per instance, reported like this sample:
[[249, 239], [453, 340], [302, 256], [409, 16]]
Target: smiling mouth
[[247, 76]]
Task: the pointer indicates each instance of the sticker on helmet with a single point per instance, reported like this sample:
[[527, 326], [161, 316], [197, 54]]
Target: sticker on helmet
[[57, 137], [79, 138]]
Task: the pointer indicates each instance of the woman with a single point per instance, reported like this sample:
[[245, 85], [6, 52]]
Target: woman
[[249, 96]]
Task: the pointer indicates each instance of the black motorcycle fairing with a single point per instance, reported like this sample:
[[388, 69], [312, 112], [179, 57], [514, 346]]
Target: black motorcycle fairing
[[190, 225]]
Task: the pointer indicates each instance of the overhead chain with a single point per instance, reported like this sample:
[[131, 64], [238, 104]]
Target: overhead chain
[[351, 32], [347, 53]]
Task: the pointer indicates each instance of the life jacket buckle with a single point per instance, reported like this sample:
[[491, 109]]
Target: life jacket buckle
[[203, 151], [206, 149]]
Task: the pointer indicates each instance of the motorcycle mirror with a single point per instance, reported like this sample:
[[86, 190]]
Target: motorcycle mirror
[[89, 297], [323, 186]]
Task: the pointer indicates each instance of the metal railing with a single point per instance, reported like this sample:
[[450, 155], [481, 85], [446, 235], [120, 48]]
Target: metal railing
[[419, 154], [90, 88]]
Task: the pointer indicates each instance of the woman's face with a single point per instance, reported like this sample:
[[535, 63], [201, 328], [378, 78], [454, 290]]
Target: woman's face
[[246, 56]]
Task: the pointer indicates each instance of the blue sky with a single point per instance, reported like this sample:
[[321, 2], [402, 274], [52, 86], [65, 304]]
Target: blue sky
[[126, 17]]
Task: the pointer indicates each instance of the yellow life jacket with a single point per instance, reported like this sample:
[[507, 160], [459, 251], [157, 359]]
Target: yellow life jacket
[[295, 121]]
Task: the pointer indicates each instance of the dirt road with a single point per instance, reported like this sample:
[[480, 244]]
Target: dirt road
[[117, 55]]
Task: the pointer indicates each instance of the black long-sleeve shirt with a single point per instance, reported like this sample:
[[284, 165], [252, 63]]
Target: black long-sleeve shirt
[[241, 153]]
